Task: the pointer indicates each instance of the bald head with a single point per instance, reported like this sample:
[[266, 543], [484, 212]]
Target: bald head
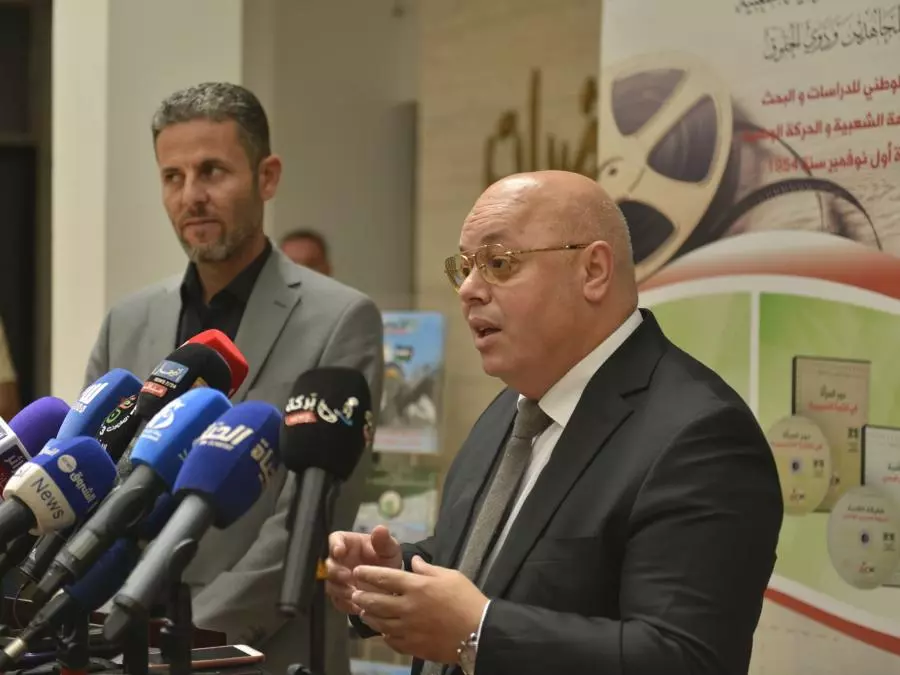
[[566, 206], [546, 275]]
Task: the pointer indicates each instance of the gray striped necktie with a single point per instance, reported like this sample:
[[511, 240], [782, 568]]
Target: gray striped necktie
[[530, 422]]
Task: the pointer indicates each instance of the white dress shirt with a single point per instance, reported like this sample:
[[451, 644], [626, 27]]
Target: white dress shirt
[[559, 403]]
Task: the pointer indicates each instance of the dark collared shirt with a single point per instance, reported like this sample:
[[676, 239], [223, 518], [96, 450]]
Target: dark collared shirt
[[225, 309]]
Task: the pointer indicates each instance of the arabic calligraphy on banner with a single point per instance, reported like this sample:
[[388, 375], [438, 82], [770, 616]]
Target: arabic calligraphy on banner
[[517, 143], [760, 6], [839, 91], [849, 29], [828, 128]]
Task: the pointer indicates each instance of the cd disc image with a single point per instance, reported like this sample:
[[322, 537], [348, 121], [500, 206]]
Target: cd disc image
[[864, 537], [803, 458]]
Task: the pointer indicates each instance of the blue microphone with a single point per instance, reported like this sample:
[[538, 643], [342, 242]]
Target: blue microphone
[[97, 401], [157, 458], [55, 488], [228, 469], [28, 432], [20, 440]]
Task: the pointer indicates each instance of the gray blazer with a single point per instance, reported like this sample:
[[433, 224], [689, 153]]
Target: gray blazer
[[295, 320]]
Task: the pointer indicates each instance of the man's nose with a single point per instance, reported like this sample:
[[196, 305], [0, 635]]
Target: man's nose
[[474, 289], [194, 192]]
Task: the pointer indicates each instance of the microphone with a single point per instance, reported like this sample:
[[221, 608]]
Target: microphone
[[28, 432], [95, 588], [188, 367], [115, 434], [55, 488], [216, 339], [157, 458], [327, 425], [229, 467], [23, 437], [95, 402], [183, 369], [119, 428]]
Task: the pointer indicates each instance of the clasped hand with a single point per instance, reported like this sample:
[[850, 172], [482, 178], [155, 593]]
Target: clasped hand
[[424, 613]]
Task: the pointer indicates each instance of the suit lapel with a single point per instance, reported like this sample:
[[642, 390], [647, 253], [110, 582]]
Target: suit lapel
[[486, 440], [274, 296], [602, 408], [162, 332]]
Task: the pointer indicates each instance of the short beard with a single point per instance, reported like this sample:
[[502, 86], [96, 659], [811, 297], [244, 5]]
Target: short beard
[[231, 242], [224, 248]]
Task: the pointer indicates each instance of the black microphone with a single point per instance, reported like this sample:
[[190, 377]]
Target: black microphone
[[328, 422], [191, 365], [119, 427]]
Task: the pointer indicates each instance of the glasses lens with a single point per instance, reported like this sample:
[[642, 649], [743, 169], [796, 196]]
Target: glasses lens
[[494, 263], [457, 269]]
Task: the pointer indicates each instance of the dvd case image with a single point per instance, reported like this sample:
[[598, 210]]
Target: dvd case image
[[834, 393], [881, 468]]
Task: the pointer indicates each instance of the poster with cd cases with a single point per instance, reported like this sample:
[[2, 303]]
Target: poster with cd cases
[[881, 467], [834, 393]]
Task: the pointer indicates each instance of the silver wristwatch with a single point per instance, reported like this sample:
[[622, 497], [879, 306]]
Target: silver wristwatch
[[467, 651]]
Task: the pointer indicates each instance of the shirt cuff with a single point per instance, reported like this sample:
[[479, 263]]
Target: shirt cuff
[[478, 634]]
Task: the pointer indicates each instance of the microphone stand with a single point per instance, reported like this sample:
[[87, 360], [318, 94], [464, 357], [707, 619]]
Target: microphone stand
[[317, 629], [136, 648], [74, 656], [177, 632]]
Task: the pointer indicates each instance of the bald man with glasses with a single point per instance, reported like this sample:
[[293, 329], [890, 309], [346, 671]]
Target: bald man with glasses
[[615, 510]]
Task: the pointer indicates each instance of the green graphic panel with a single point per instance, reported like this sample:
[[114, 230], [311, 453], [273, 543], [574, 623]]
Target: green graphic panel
[[715, 329]]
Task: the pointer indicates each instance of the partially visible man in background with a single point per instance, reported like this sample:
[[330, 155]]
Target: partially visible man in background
[[217, 170], [307, 248], [9, 385]]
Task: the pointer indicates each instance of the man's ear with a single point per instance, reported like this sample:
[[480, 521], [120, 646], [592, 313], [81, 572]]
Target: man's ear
[[599, 267], [269, 176]]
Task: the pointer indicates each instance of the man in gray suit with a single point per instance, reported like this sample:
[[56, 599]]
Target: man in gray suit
[[217, 171]]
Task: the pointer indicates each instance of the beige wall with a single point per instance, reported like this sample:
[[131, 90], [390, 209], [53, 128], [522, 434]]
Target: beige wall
[[343, 122], [476, 63]]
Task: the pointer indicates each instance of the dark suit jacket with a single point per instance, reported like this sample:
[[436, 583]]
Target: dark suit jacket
[[648, 540]]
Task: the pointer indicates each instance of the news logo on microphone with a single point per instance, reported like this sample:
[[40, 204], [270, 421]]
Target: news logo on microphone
[[88, 395], [307, 408], [164, 378], [119, 415]]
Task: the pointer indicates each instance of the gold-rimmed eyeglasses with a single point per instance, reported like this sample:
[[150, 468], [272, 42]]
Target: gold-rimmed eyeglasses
[[495, 262]]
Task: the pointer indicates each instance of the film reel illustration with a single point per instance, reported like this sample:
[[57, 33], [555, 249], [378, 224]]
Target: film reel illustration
[[803, 459], [864, 537], [670, 155]]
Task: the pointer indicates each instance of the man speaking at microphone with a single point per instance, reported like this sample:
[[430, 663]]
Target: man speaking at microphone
[[614, 510], [217, 170]]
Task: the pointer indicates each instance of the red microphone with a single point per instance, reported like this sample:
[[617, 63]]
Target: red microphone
[[218, 341]]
